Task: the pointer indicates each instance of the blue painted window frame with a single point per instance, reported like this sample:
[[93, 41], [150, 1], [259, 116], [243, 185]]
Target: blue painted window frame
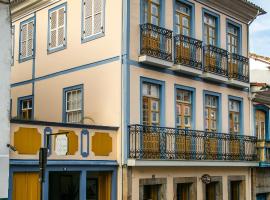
[[68, 89], [95, 36], [219, 108], [193, 103], [21, 59], [19, 105], [192, 16], [217, 16], [241, 111], [161, 85], [50, 50], [265, 109], [239, 27], [162, 12]]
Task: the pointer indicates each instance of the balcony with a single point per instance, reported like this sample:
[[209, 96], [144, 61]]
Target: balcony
[[187, 55], [159, 144], [156, 46], [263, 148], [215, 64], [238, 71]]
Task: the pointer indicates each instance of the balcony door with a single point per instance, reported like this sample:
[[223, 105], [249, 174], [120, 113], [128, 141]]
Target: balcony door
[[151, 15], [183, 27], [233, 47], [151, 118], [260, 124]]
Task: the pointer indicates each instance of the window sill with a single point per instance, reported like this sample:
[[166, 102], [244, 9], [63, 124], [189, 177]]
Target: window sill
[[21, 60], [50, 51], [93, 37]]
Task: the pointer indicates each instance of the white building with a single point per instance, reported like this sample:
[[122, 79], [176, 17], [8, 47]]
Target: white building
[[5, 62]]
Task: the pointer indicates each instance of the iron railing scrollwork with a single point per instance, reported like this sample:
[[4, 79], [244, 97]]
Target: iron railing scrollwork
[[188, 51], [238, 67], [215, 60], [161, 143], [156, 42]]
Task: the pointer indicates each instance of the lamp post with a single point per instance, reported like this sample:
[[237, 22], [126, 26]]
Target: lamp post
[[43, 154]]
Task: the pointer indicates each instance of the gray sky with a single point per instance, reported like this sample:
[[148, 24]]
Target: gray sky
[[260, 31]]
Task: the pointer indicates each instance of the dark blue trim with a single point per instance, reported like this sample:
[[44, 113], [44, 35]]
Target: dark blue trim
[[162, 103], [95, 36], [193, 103], [192, 15], [239, 27], [67, 71], [32, 19], [241, 111], [265, 109], [219, 108], [59, 48], [19, 105], [48, 131], [68, 89], [217, 16], [85, 132]]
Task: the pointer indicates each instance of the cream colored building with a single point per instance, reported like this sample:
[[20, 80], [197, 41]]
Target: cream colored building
[[153, 95]]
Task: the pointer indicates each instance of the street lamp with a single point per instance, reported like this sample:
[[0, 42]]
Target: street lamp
[[43, 154]]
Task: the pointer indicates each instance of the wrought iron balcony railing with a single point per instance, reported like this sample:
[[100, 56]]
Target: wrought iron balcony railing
[[156, 42], [188, 51], [239, 68], [215, 60], [160, 143]]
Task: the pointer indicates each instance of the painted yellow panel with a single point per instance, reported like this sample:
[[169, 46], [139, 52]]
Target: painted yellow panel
[[72, 142], [101, 144], [104, 186], [27, 140], [26, 186]]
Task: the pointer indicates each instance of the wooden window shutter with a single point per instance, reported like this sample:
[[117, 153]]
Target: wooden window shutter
[[30, 35], [97, 16], [88, 18], [53, 31], [24, 39], [61, 26]]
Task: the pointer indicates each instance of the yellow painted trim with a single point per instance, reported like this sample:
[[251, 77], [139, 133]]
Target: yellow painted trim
[[101, 144]]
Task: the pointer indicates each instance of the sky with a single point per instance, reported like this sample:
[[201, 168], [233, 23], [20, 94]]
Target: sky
[[260, 30]]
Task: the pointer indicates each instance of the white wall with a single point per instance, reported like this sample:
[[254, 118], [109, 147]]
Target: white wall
[[260, 72], [5, 61]]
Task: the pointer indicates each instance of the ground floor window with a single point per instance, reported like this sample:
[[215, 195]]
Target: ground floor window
[[98, 186], [213, 190], [152, 192], [261, 196], [185, 188], [183, 191], [235, 190], [236, 187], [153, 189]]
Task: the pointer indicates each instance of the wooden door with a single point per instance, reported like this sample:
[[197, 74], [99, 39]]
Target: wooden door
[[26, 186]]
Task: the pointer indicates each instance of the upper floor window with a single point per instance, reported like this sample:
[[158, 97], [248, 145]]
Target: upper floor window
[[26, 108], [151, 104], [183, 108], [183, 19], [234, 116], [233, 38], [93, 18], [210, 29], [57, 28], [12, 44], [260, 124], [73, 105], [151, 11], [27, 30], [211, 111]]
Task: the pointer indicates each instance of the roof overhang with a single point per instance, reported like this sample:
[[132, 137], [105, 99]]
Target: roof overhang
[[260, 93]]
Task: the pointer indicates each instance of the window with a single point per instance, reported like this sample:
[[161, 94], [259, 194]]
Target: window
[[151, 104], [152, 192], [183, 191], [26, 108], [233, 39], [211, 107], [235, 190], [93, 18], [183, 22], [260, 124], [12, 44], [210, 29], [234, 116], [183, 108], [211, 191], [57, 28], [151, 12], [27, 39], [73, 105]]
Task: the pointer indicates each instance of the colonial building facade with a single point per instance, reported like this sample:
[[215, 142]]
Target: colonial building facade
[[153, 97]]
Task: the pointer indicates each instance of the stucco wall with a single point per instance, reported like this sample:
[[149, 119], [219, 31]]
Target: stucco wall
[[5, 61]]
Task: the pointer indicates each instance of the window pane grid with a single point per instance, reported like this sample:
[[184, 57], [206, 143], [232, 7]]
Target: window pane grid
[[74, 106]]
